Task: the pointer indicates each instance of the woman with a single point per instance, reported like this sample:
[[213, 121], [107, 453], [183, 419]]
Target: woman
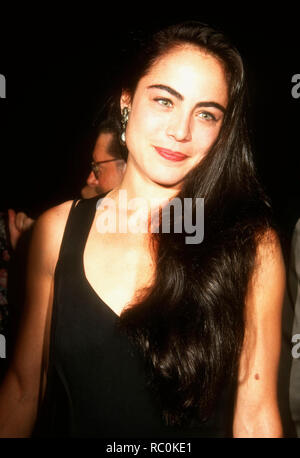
[[142, 334]]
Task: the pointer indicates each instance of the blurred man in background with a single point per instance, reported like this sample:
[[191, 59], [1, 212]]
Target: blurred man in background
[[107, 168], [108, 163]]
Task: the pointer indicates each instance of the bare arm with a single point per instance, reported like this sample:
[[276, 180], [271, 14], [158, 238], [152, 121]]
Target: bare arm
[[20, 390], [256, 410]]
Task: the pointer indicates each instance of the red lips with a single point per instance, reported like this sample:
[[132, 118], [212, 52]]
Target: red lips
[[170, 155]]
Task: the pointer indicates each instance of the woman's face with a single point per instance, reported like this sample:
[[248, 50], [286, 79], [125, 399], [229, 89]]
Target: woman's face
[[175, 115]]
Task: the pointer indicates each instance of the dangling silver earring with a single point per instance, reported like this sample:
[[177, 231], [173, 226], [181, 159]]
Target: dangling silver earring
[[124, 120]]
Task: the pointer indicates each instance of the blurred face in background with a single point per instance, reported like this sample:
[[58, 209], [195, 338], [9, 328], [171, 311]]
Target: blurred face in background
[[107, 172]]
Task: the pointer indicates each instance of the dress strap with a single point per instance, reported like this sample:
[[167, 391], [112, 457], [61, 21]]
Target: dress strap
[[77, 228]]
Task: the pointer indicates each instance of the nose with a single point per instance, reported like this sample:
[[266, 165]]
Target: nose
[[179, 127], [92, 180]]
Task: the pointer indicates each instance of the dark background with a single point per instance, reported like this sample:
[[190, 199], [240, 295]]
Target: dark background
[[59, 66]]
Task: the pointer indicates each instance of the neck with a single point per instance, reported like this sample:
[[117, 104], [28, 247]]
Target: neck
[[138, 185], [137, 199]]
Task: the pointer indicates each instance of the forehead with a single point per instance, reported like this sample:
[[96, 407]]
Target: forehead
[[101, 150], [191, 72]]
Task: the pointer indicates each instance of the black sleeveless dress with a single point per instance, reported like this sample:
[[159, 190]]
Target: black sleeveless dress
[[97, 382]]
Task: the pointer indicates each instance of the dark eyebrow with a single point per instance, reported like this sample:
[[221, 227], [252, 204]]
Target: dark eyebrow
[[168, 89], [180, 97], [211, 104]]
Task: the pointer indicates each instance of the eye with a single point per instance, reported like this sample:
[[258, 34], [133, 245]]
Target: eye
[[164, 102], [206, 116]]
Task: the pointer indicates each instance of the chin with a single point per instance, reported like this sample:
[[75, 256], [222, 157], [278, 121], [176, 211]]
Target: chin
[[171, 180], [88, 192]]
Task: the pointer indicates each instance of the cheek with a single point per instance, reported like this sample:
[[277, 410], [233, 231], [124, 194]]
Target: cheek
[[205, 137], [145, 121], [153, 126], [143, 129]]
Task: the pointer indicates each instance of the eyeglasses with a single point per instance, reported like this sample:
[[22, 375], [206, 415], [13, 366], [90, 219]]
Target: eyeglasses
[[95, 166]]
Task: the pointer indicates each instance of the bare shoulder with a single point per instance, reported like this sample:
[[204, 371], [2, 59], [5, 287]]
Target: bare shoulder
[[268, 277], [55, 217], [269, 247], [48, 233]]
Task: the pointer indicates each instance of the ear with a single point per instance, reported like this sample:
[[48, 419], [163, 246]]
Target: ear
[[125, 100]]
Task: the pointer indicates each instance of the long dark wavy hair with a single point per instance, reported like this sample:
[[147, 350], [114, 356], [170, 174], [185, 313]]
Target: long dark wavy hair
[[190, 323]]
